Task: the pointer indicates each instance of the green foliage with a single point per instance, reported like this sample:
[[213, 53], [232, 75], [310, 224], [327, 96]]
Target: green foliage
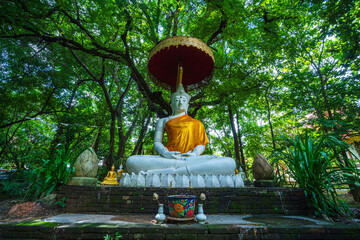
[[38, 182], [52, 173], [317, 167], [102, 172], [17, 184], [109, 237], [277, 63], [62, 202]]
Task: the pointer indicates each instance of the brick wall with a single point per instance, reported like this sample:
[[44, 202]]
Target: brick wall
[[121, 200]]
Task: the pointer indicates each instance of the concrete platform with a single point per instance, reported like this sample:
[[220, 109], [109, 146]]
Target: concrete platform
[[94, 226]]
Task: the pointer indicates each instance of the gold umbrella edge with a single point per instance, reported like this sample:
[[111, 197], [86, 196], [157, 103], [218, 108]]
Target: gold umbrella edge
[[182, 41]]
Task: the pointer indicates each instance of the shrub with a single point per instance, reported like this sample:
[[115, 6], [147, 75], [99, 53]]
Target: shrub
[[38, 182], [317, 167]]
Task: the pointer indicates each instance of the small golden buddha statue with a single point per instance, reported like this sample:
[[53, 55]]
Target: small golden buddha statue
[[111, 178]]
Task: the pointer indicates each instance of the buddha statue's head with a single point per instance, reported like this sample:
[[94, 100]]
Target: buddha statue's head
[[179, 100]]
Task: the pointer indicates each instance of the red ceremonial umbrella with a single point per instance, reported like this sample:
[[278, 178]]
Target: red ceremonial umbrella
[[195, 57]]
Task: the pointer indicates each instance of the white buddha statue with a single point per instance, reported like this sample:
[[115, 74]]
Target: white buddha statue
[[187, 140]]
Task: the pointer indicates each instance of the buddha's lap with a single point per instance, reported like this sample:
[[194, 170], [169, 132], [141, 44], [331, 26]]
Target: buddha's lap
[[150, 162]]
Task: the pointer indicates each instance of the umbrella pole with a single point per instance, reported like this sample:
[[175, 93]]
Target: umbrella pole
[[179, 74]]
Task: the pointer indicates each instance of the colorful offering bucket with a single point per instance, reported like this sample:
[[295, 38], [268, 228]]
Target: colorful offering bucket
[[181, 206]]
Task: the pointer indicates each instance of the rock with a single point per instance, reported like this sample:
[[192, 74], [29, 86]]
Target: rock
[[86, 165], [262, 169]]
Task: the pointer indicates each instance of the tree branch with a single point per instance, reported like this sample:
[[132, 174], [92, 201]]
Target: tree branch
[[100, 51], [83, 65], [210, 103], [220, 29], [42, 111], [122, 96]]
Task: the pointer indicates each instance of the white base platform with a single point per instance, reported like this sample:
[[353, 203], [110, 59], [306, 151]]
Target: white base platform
[[180, 181]]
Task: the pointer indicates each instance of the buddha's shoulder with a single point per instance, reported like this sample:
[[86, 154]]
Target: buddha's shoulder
[[191, 119], [195, 120], [184, 118], [162, 121], [198, 123]]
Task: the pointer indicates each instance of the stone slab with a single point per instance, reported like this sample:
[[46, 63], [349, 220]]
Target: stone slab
[[82, 181], [265, 183]]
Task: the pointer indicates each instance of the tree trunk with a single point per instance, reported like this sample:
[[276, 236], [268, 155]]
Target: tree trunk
[[176, 19], [123, 137], [144, 127], [236, 143], [122, 142], [243, 163], [109, 161], [97, 141], [210, 148], [8, 139], [56, 140], [60, 129], [269, 119]]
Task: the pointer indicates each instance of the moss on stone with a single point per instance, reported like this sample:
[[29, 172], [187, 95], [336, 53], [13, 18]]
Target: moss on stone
[[32, 223]]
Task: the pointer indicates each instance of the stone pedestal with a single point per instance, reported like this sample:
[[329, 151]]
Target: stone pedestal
[[82, 181], [265, 183], [180, 180]]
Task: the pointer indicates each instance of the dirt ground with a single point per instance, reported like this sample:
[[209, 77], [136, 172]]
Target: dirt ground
[[13, 210]]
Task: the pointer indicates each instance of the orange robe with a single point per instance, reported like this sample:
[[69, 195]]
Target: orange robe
[[184, 134]]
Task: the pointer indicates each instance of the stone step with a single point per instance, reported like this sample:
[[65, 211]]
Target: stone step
[[143, 227]]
